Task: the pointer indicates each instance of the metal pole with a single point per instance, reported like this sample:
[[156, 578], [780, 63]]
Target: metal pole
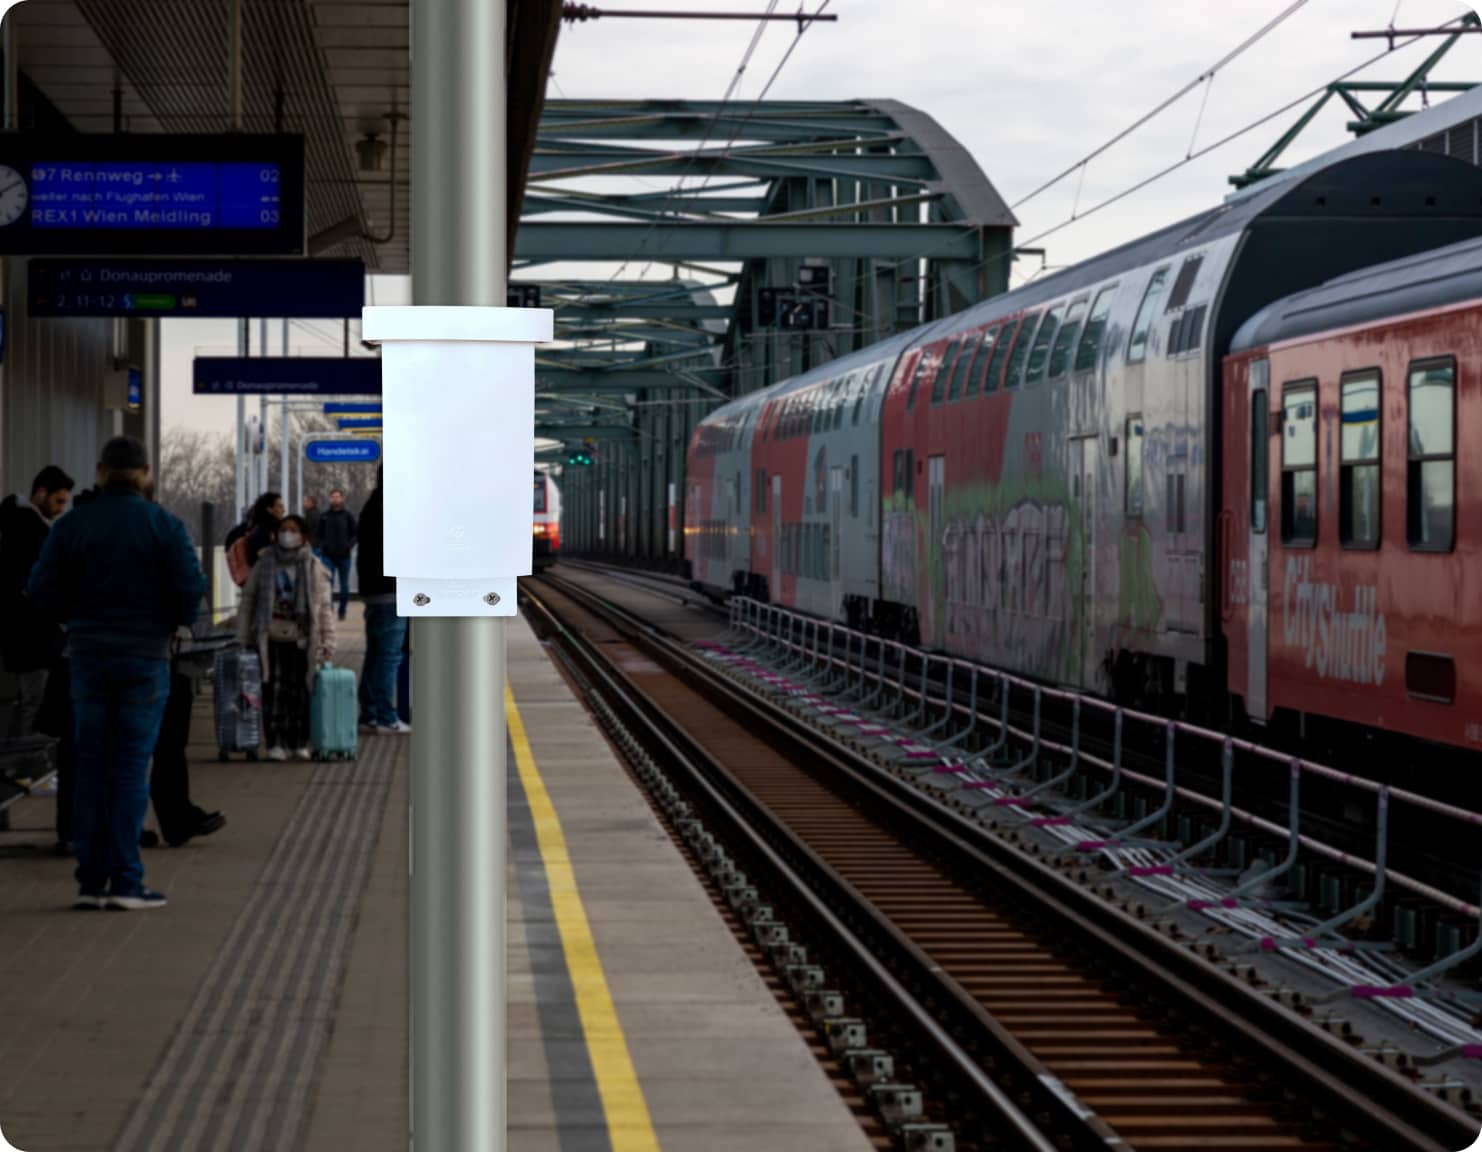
[[235, 94], [461, 256], [262, 413], [283, 437]]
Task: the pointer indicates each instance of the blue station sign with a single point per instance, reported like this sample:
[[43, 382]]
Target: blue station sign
[[352, 408], [225, 289], [287, 376], [360, 424], [151, 195], [342, 451]]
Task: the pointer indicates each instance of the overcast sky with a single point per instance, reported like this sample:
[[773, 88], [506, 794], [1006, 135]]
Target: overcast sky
[[1028, 87]]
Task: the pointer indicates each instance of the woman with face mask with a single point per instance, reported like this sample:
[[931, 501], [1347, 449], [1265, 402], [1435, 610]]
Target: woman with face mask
[[287, 617]]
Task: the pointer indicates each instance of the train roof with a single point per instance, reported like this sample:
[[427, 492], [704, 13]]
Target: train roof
[[1387, 186], [1432, 279]]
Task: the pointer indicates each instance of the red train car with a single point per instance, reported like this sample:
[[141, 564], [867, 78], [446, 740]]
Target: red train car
[[1353, 501]]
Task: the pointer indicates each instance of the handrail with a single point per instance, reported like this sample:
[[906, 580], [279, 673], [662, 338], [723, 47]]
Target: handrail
[[771, 622]]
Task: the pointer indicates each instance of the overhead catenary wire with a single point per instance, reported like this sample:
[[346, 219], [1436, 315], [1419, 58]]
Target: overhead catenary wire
[[1207, 75], [1171, 168], [760, 96], [736, 77]]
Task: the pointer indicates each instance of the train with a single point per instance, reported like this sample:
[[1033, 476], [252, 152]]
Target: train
[[546, 527], [1175, 475]]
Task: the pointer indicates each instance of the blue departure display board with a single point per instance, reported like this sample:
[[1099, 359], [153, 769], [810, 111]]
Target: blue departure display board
[[310, 289], [287, 375], [152, 194]]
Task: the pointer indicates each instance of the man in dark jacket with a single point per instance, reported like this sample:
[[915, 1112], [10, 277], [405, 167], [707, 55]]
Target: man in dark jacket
[[336, 537], [385, 631], [122, 574], [29, 643]]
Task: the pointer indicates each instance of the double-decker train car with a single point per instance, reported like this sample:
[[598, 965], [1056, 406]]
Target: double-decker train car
[[546, 529], [1034, 483], [1352, 492]]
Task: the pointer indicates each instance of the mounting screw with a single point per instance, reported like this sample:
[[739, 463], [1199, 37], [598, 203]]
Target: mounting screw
[[491, 599], [421, 600]]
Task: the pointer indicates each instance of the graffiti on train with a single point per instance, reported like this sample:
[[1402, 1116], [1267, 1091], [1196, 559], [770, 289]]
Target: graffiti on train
[[1338, 644], [1009, 590]]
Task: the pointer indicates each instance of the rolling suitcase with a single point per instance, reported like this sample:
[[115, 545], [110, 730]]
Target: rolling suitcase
[[238, 703], [333, 715]]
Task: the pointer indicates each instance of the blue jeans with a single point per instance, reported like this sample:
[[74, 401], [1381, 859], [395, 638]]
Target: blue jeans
[[385, 633], [339, 577], [118, 703]]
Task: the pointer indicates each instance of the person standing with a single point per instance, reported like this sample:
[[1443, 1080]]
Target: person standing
[[121, 573], [312, 516], [29, 643], [286, 618], [385, 631], [337, 537]]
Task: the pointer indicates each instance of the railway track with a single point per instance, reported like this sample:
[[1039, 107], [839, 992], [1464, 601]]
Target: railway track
[[1037, 1017]]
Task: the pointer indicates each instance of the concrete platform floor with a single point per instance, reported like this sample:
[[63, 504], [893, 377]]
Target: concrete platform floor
[[265, 1008]]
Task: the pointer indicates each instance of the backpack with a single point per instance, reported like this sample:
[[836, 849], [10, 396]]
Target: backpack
[[236, 561]]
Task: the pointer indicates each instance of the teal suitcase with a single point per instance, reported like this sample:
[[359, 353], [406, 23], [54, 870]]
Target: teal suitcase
[[333, 715]]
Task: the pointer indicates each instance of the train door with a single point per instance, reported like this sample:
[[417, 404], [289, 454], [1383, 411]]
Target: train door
[[776, 586], [835, 535], [936, 519], [1083, 456], [1256, 659]]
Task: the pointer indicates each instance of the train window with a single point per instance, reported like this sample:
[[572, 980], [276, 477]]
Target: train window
[[1039, 358], [897, 463], [972, 383], [1184, 284], [1299, 463], [938, 384], [923, 361], [967, 359], [1358, 468], [1014, 375], [1430, 487], [1065, 341], [539, 495], [910, 473], [1089, 347], [853, 486], [1134, 466], [1000, 354], [761, 490], [1260, 446], [1137, 347]]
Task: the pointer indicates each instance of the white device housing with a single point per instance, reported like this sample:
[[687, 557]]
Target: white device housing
[[458, 400]]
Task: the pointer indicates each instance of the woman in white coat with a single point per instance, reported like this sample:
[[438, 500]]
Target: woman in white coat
[[287, 617]]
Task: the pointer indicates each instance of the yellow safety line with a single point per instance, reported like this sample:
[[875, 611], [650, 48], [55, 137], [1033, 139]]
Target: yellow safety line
[[628, 1124]]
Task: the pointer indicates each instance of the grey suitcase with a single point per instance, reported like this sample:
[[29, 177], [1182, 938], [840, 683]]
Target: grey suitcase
[[238, 703]]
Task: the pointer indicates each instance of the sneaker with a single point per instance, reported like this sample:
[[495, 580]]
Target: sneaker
[[149, 838], [303, 754], [87, 901], [396, 727], [278, 754], [136, 901], [368, 727]]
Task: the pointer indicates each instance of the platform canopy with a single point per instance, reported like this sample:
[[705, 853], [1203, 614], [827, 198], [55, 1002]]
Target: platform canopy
[[695, 250]]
